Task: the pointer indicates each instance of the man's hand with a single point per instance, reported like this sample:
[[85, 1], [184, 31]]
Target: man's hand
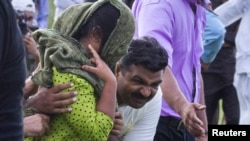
[[53, 101], [191, 120], [36, 125], [202, 138]]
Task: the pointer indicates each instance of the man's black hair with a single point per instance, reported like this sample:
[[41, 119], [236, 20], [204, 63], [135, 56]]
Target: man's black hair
[[146, 52]]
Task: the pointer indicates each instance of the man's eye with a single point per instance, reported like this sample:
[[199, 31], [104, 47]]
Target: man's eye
[[29, 18], [138, 81]]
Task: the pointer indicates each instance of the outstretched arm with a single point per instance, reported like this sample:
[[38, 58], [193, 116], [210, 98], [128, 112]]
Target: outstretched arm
[[188, 111]]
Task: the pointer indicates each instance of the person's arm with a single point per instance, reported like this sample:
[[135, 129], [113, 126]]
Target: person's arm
[[95, 115], [162, 29], [202, 115], [213, 37], [51, 101], [107, 101], [36, 125], [188, 111], [232, 10], [30, 45], [29, 88]]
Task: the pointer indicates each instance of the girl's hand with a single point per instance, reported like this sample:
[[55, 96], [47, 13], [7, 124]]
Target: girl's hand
[[100, 68]]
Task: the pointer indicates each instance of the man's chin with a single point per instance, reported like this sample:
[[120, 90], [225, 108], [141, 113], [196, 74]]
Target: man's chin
[[137, 105]]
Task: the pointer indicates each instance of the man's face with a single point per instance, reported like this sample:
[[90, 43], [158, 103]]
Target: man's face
[[30, 17], [137, 86]]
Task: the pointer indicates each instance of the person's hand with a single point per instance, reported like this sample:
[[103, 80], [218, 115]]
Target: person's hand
[[30, 44], [30, 87], [53, 101], [118, 124], [204, 66], [202, 138], [190, 119], [117, 127], [100, 69], [36, 125]]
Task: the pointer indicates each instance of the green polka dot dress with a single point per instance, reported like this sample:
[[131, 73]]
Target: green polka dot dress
[[84, 123]]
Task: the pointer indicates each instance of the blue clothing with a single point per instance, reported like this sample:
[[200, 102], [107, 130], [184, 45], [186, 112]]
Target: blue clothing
[[42, 14], [213, 37], [12, 75]]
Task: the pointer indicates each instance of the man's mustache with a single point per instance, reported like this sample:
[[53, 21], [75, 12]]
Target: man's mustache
[[138, 95]]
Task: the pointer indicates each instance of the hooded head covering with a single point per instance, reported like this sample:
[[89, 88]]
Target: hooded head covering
[[58, 48]]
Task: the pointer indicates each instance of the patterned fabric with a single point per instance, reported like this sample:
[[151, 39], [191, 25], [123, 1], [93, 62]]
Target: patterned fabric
[[84, 123], [61, 61], [58, 48]]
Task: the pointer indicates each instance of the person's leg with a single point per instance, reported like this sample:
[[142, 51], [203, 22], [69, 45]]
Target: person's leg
[[231, 105], [212, 96], [211, 108], [169, 129], [243, 91]]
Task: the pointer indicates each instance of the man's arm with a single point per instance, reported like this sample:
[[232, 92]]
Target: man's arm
[[52, 101], [36, 125], [231, 11], [29, 89], [202, 115], [188, 111]]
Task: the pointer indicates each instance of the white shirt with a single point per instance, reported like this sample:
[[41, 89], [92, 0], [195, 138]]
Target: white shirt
[[229, 12], [140, 124]]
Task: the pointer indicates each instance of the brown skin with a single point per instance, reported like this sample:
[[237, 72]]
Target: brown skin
[[52, 101], [107, 101], [188, 111], [36, 125], [202, 115], [30, 45], [118, 124], [137, 80], [117, 127]]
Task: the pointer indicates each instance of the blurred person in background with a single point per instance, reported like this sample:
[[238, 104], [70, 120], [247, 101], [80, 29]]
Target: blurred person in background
[[26, 18], [42, 8], [229, 12], [12, 75], [219, 77]]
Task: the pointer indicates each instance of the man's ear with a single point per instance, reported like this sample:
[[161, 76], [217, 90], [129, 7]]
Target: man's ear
[[117, 69]]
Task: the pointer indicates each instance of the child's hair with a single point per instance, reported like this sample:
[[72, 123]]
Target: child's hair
[[105, 18]]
